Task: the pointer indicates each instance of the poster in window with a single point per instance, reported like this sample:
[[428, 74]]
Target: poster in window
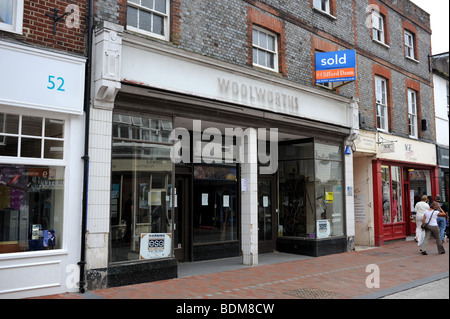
[[155, 245]]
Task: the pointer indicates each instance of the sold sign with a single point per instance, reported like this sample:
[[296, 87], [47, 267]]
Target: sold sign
[[336, 66]]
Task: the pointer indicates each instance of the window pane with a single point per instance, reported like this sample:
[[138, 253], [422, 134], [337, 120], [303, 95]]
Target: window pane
[[158, 24], [30, 147], [9, 123], [145, 21], [262, 58], [53, 149], [262, 40], [31, 125], [270, 61], [6, 11], [147, 3], [54, 128], [160, 6], [132, 15], [271, 43], [255, 56], [255, 37], [32, 207], [8, 145], [386, 191], [397, 199]]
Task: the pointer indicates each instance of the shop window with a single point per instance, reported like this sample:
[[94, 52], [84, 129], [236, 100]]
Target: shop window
[[141, 190], [215, 203], [31, 207], [31, 136], [381, 103], [150, 17], [265, 49], [11, 15], [412, 113], [310, 187], [392, 194]]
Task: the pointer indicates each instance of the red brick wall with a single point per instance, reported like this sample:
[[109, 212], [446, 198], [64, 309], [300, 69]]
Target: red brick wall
[[38, 28]]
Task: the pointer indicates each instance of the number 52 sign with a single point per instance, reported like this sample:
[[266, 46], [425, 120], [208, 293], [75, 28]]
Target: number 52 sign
[[48, 80]]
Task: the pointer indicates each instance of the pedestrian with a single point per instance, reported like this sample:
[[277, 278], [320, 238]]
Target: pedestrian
[[420, 209], [442, 220], [430, 218]]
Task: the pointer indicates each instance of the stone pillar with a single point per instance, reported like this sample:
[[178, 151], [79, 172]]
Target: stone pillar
[[106, 68], [249, 199]]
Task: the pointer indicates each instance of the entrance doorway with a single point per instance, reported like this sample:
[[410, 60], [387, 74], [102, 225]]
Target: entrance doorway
[[182, 217], [267, 221]]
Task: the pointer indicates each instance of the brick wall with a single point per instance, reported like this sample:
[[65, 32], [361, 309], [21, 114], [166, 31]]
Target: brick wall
[[222, 29], [38, 28]]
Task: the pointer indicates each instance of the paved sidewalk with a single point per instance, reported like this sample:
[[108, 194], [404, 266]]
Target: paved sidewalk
[[341, 276]]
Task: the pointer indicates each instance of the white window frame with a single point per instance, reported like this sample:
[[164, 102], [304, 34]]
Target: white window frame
[[378, 27], [412, 113], [266, 50], [381, 105], [322, 5], [166, 23], [17, 20], [409, 45]]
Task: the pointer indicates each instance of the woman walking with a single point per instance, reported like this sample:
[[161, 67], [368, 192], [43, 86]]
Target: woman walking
[[430, 218], [420, 209]]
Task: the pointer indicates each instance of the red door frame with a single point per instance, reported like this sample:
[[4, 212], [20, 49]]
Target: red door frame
[[379, 227]]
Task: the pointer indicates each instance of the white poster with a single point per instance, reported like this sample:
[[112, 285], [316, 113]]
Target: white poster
[[226, 200], [323, 228], [204, 199], [155, 245]]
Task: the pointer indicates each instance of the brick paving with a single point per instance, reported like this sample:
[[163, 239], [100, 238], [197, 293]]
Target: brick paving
[[339, 276]]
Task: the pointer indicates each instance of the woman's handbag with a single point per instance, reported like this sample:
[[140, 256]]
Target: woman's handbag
[[425, 226]]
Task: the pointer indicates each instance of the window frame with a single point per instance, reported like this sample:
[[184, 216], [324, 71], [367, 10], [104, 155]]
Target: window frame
[[17, 19], [166, 20], [413, 124], [409, 47], [384, 121], [377, 30], [322, 3], [266, 50]]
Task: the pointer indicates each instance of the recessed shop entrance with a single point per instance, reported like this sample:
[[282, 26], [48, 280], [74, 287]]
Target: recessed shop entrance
[[267, 216]]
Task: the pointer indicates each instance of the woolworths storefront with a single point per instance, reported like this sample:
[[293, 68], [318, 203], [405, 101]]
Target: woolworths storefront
[[211, 161]]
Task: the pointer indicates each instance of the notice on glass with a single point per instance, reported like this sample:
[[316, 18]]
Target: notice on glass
[[226, 200], [204, 199], [265, 201]]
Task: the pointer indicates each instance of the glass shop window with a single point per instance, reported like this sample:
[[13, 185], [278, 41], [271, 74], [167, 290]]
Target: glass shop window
[[392, 196], [31, 207], [141, 190]]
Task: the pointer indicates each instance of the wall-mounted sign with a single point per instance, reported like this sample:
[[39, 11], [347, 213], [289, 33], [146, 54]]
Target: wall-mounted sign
[[41, 79], [337, 66]]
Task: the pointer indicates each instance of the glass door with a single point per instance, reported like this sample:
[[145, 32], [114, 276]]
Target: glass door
[[182, 208], [267, 222]]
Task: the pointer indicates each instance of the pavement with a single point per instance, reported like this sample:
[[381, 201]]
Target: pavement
[[394, 271]]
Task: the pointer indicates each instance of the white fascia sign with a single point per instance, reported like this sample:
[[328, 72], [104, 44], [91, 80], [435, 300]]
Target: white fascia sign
[[39, 79]]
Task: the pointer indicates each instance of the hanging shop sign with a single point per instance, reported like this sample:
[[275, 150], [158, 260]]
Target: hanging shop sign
[[41, 79], [337, 66]]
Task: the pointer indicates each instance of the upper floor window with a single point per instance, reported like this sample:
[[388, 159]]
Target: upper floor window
[[323, 5], [381, 103], [11, 15], [409, 45], [265, 49], [412, 113], [149, 17], [378, 26]]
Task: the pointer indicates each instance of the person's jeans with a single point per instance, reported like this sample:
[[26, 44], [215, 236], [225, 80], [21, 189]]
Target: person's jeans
[[441, 224]]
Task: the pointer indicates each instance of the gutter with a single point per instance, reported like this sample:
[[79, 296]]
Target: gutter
[[85, 158]]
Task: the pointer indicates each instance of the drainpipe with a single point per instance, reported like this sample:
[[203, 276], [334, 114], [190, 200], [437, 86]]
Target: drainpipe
[[85, 158]]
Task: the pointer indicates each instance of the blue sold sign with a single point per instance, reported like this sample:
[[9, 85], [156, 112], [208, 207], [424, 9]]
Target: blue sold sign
[[336, 66]]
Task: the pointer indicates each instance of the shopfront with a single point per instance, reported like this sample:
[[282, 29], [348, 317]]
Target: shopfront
[[202, 162], [443, 163], [39, 222], [399, 185]]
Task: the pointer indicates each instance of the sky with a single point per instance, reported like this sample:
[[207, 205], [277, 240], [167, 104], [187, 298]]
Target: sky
[[438, 10]]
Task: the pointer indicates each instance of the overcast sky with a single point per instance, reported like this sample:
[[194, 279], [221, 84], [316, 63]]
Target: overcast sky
[[438, 10]]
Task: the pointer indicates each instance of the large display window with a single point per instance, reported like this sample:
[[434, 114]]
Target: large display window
[[310, 188], [141, 190]]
